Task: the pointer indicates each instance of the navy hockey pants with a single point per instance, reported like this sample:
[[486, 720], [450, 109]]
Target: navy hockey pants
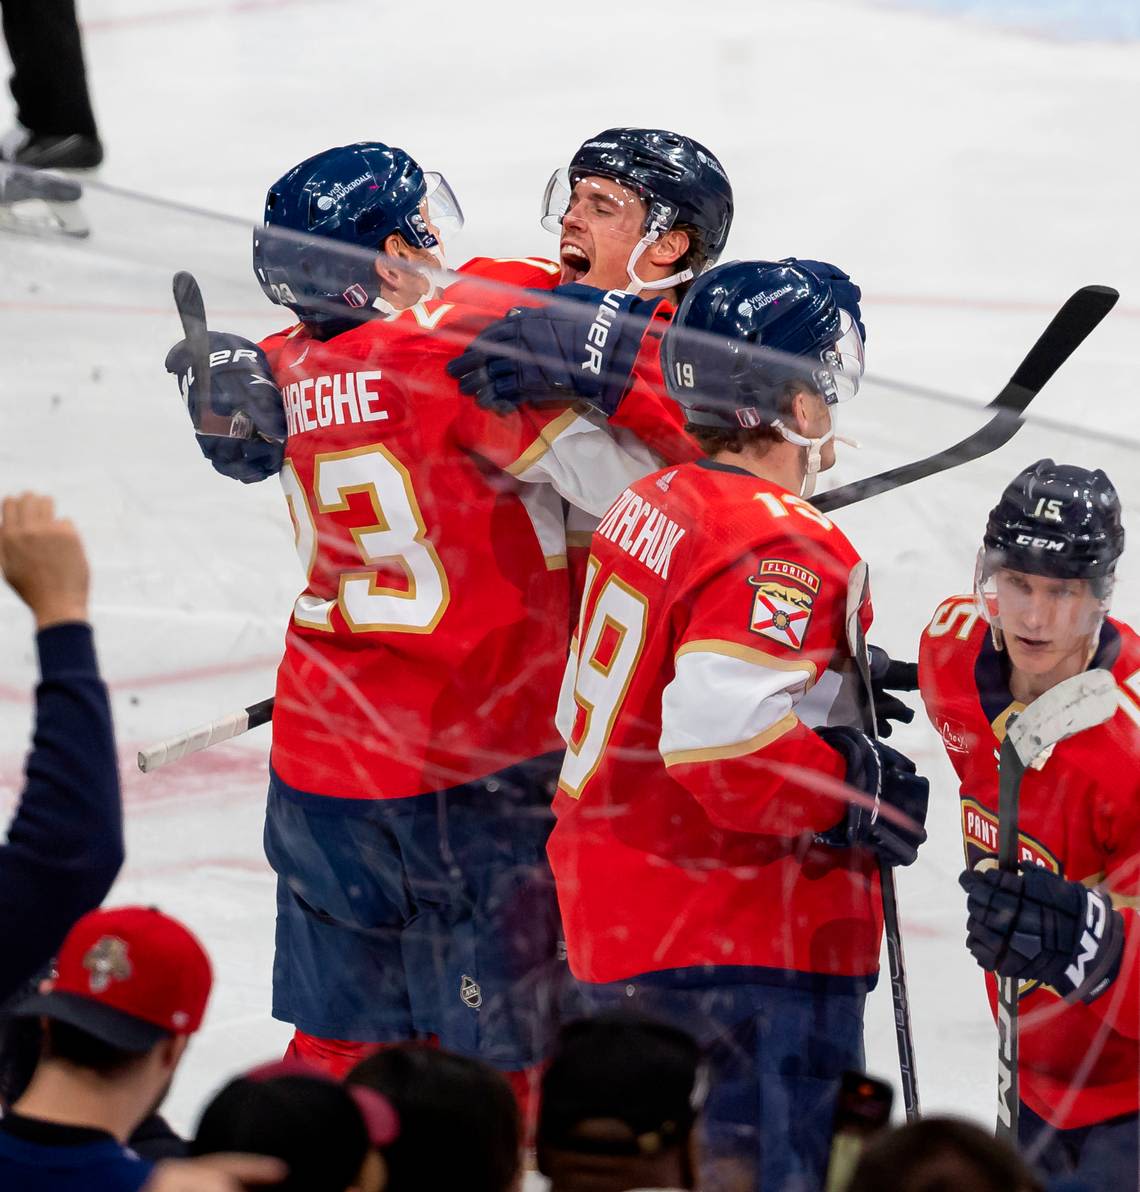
[[1104, 1155], [435, 914], [776, 1054]]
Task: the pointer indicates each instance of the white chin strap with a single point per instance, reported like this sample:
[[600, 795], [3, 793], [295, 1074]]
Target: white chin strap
[[636, 285], [815, 448], [435, 282]]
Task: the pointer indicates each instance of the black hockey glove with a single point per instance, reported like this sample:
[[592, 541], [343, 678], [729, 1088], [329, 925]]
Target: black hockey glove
[[889, 780], [887, 675], [581, 348], [1037, 926], [846, 293], [241, 383]]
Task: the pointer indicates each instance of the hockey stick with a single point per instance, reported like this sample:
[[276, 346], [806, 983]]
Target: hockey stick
[[1067, 330], [1076, 704], [223, 729], [857, 590], [192, 313]]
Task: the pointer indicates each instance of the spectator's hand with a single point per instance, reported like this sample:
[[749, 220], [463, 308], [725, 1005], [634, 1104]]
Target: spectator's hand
[[215, 1173], [42, 557]]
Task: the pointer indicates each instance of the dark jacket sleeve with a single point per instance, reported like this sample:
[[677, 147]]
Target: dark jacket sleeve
[[65, 843]]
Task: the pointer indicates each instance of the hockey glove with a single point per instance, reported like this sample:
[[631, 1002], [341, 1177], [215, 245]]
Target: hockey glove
[[887, 675], [888, 780], [1037, 926], [241, 382], [581, 348], [846, 293]]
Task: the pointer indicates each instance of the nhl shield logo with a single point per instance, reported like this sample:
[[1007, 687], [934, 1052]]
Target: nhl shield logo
[[469, 992], [107, 961], [782, 604]]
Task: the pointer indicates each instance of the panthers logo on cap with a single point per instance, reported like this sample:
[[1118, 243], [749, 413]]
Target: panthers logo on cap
[[107, 961]]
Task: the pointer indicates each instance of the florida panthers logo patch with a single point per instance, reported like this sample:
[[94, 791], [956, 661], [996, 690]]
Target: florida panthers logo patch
[[105, 962], [782, 603]]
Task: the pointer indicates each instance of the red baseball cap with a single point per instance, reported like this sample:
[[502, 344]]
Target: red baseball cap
[[129, 976]]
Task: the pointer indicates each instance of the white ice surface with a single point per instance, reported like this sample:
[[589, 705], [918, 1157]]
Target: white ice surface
[[969, 180]]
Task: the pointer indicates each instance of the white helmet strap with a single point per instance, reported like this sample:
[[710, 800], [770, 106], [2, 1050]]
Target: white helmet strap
[[814, 450], [636, 284]]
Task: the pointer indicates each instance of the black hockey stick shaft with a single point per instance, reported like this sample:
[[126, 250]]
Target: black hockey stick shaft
[[892, 927], [1011, 770], [192, 313], [1067, 330]]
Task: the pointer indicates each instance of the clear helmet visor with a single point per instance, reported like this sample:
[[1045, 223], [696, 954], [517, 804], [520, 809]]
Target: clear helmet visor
[[441, 208], [604, 201], [1038, 608], [842, 363], [555, 200]]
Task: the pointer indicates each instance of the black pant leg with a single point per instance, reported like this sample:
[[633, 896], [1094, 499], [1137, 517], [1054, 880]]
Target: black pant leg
[[49, 79]]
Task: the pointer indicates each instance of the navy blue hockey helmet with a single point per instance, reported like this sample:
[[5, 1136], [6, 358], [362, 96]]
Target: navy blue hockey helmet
[[355, 195], [1056, 520], [677, 177], [744, 331]]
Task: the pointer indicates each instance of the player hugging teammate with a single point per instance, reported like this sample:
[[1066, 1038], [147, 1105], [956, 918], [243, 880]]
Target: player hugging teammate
[[725, 824]]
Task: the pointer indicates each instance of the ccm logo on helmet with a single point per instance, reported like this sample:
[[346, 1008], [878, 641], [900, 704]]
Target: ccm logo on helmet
[[1039, 543], [600, 331]]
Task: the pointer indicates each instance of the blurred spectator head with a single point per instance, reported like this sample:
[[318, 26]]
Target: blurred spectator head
[[620, 1100], [459, 1122], [941, 1155], [21, 1039], [130, 987], [329, 1135]]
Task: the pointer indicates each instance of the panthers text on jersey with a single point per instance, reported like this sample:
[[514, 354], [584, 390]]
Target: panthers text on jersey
[[1080, 817]]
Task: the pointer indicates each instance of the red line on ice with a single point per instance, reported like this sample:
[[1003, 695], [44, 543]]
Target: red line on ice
[[187, 13], [189, 674]]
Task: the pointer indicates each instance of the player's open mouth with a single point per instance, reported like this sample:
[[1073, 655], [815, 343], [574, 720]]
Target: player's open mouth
[[1035, 644], [575, 262]]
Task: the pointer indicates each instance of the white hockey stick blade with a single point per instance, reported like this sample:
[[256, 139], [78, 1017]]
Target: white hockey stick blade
[[1082, 702], [856, 593], [203, 737]]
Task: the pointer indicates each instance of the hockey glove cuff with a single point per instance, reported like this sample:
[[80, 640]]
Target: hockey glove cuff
[[891, 815], [1037, 926], [845, 292], [243, 396], [581, 347], [887, 675]]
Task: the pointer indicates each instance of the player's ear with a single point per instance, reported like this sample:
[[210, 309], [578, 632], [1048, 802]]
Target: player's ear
[[393, 248], [670, 247], [803, 410]]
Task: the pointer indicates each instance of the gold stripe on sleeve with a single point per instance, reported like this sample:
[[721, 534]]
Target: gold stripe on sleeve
[[542, 443], [682, 757], [748, 654]]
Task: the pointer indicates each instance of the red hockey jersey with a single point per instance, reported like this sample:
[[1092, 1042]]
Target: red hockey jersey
[[427, 647], [711, 635], [1080, 817]]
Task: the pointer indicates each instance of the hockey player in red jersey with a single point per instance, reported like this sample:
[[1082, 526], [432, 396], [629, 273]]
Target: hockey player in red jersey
[[717, 823], [1039, 615], [639, 213], [414, 754]]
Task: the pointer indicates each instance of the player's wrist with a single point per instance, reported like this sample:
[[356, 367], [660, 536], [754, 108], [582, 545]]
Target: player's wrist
[[50, 613]]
